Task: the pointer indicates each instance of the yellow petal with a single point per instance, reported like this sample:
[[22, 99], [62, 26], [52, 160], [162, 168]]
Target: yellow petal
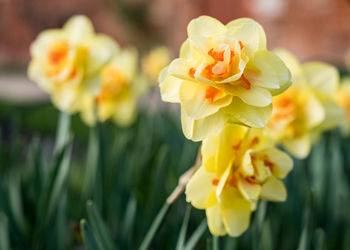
[[199, 188], [229, 140], [106, 110], [250, 191], [125, 110], [268, 71], [282, 163], [126, 62], [235, 212], [273, 190], [251, 116], [205, 26], [197, 130], [249, 32], [66, 98], [194, 102], [169, 86], [299, 147], [215, 223], [247, 167], [41, 45], [209, 149], [87, 113], [334, 115], [36, 73], [292, 64], [101, 50], [314, 111], [322, 77], [180, 68], [256, 96], [79, 28]]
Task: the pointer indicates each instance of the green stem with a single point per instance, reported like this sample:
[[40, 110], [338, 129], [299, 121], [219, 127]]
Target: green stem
[[62, 132]]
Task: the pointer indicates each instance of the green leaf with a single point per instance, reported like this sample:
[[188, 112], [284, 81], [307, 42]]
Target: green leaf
[[88, 238], [4, 233], [59, 180], [154, 227], [99, 228], [183, 230], [16, 198], [195, 237]]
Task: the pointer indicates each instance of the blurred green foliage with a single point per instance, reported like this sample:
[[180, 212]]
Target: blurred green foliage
[[103, 187]]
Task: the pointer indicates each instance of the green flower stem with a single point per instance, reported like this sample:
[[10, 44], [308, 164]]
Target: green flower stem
[[62, 132]]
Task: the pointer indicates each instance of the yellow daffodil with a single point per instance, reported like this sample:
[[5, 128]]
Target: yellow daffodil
[[65, 62], [307, 108], [239, 166], [224, 74], [155, 61], [117, 96], [343, 99]]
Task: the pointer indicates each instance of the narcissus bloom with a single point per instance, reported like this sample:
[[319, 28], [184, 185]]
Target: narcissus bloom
[[239, 166], [117, 96], [343, 99], [224, 74], [155, 61], [65, 62], [307, 108]]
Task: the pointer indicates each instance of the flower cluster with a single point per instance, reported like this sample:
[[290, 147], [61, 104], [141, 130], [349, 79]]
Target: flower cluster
[[235, 97], [306, 109], [86, 72], [239, 166]]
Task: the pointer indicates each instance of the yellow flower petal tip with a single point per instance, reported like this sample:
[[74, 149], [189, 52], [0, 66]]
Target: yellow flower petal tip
[[65, 61], [240, 165], [223, 72], [307, 108]]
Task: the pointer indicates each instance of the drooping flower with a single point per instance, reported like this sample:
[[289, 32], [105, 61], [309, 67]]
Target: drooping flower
[[116, 99], [307, 108], [239, 167], [155, 61], [224, 74], [65, 62], [343, 99]]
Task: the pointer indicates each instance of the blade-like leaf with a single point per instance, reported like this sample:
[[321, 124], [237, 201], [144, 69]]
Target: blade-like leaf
[[99, 228], [88, 237]]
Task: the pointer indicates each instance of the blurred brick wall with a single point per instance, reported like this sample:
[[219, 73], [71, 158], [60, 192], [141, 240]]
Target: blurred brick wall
[[313, 29]]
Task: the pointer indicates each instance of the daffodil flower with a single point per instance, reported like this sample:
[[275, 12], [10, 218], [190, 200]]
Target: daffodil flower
[[307, 108], [155, 61], [239, 166], [224, 74], [117, 96], [65, 62], [343, 99]]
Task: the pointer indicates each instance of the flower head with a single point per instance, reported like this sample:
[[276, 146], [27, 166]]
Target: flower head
[[307, 108], [65, 61], [224, 74], [155, 61], [117, 96], [240, 166]]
